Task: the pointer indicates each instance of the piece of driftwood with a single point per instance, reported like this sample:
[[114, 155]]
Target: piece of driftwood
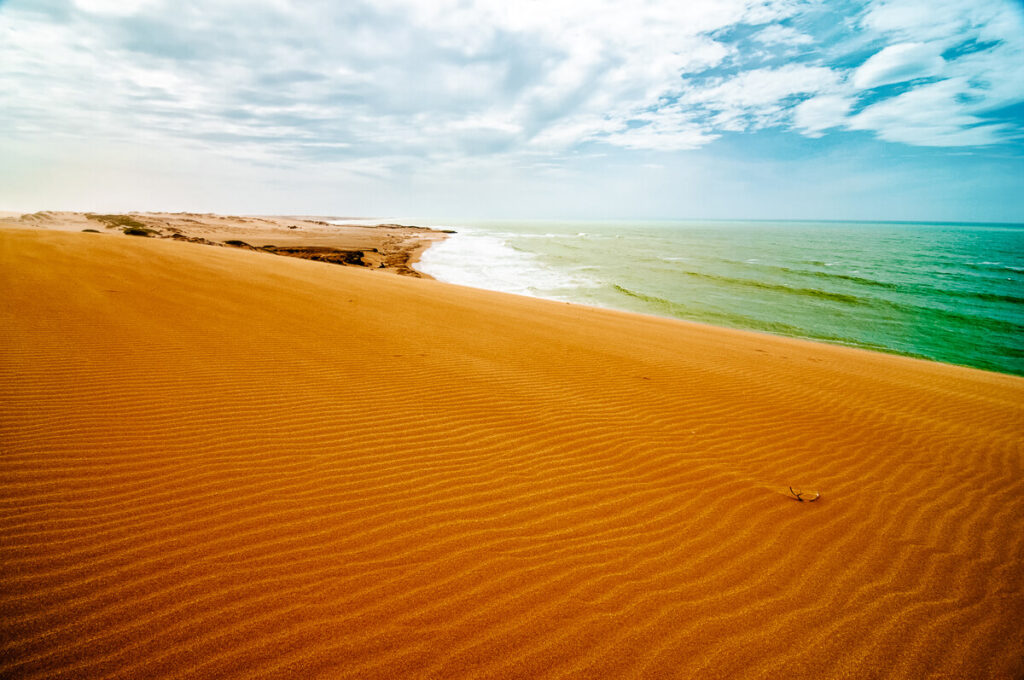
[[799, 495]]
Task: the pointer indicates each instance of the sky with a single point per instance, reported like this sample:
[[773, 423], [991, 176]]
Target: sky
[[625, 109]]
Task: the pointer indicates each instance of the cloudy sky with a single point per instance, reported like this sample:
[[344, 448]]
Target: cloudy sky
[[872, 109]]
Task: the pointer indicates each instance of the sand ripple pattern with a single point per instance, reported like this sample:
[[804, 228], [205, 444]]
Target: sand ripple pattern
[[221, 465]]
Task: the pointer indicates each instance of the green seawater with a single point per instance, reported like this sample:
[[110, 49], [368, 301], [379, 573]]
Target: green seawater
[[950, 293]]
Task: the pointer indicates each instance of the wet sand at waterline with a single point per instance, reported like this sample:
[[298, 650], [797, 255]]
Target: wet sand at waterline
[[218, 463]]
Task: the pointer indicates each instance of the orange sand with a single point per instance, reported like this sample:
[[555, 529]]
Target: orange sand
[[222, 464]]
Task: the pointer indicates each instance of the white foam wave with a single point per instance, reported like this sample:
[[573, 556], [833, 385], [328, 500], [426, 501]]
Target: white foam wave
[[486, 260]]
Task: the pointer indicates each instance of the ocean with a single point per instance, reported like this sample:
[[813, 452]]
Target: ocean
[[947, 292]]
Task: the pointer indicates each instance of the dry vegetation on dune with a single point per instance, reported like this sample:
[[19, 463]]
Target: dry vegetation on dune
[[220, 464]]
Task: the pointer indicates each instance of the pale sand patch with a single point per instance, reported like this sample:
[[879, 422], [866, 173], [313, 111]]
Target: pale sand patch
[[217, 463]]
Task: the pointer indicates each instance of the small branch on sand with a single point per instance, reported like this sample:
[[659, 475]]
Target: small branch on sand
[[799, 495]]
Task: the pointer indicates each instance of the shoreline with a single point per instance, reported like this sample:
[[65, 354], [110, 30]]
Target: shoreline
[[386, 247], [825, 301]]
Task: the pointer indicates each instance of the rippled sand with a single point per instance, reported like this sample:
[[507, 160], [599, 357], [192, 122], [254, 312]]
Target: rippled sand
[[219, 463]]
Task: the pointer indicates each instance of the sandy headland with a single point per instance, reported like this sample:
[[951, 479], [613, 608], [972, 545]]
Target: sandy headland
[[219, 463], [392, 247]]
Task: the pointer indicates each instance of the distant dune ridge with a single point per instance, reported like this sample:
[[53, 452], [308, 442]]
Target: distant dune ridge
[[218, 463]]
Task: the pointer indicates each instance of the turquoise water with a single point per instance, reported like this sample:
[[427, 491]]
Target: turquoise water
[[951, 293]]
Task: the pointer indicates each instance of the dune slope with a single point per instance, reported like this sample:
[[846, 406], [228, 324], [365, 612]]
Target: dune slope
[[221, 464]]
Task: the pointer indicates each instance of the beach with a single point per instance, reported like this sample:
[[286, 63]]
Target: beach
[[219, 462]]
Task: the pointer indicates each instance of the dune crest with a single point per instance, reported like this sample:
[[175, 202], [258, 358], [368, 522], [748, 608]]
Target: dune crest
[[221, 464]]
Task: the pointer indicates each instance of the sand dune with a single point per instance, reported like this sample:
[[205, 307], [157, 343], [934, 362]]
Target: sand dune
[[221, 464]]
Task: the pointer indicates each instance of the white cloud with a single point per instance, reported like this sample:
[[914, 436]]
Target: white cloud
[[776, 34], [766, 86], [899, 63], [114, 7], [986, 76], [911, 118], [760, 97], [393, 76], [925, 20], [668, 129], [814, 116]]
